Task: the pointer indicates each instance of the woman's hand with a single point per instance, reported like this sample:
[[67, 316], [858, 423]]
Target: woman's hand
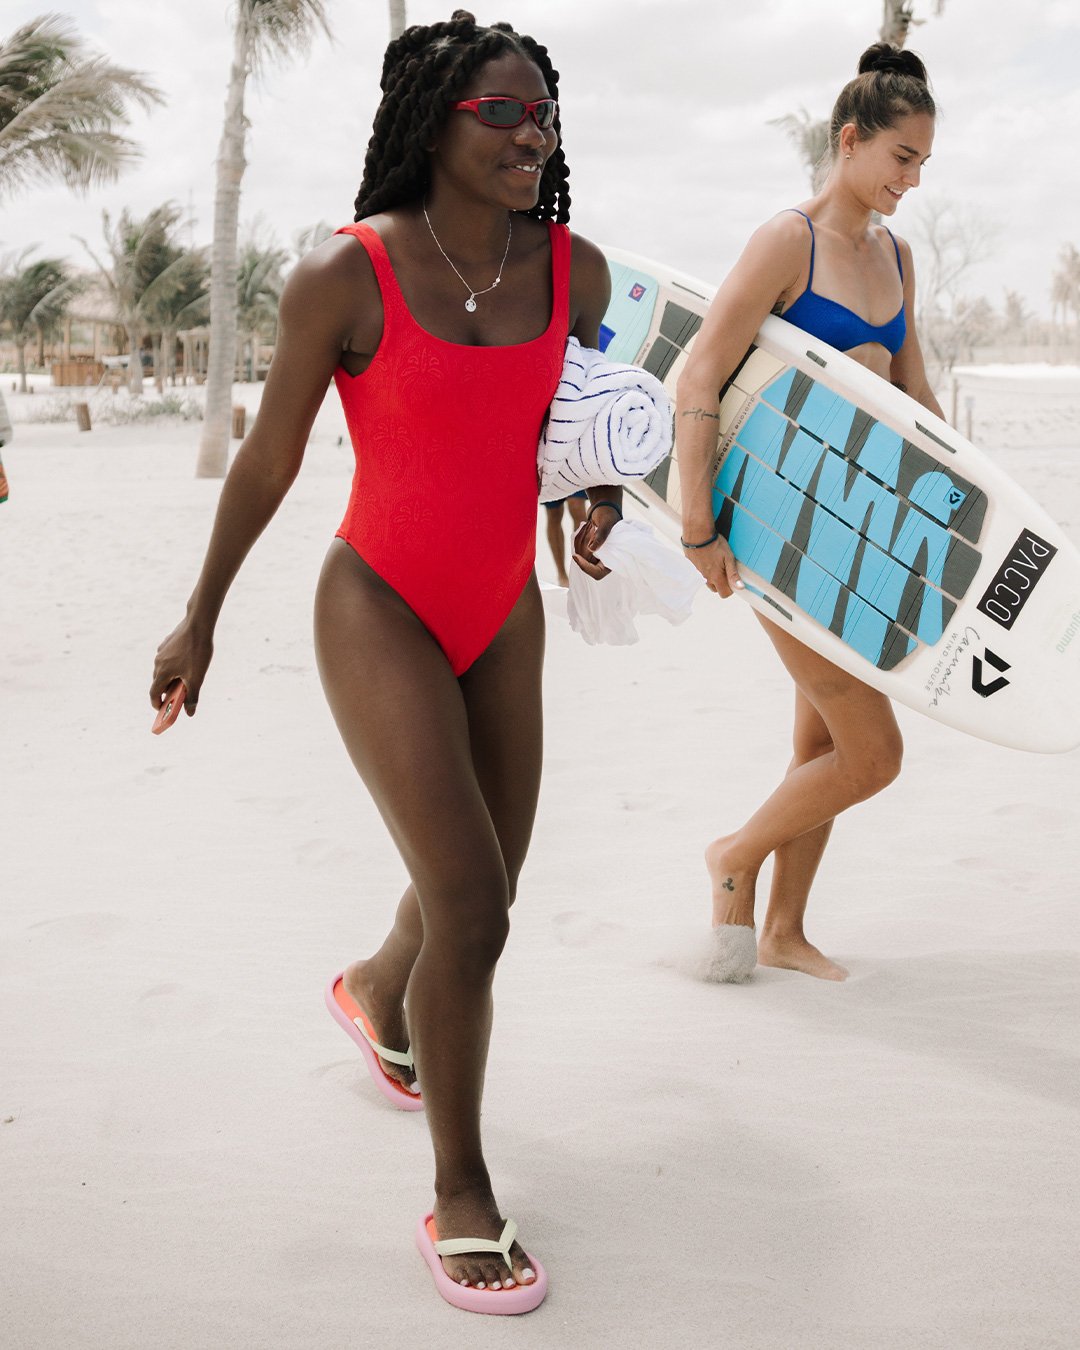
[[717, 565], [184, 655], [599, 523]]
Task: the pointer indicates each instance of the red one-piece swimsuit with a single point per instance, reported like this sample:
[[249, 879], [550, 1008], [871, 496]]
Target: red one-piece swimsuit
[[443, 502]]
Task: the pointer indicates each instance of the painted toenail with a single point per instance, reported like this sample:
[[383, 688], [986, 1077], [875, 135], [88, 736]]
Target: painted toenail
[[414, 1087], [528, 1273], [481, 1285], [464, 1282]]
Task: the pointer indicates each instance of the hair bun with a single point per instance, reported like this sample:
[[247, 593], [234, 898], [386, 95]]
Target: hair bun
[[462, 16], [884, 56]]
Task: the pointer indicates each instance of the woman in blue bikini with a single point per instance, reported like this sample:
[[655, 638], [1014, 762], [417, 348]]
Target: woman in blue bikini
[[831, 270]]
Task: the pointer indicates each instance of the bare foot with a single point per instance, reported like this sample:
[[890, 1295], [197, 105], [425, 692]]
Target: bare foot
[[795, 953], [732, 883], [475, 1214], [387, 1018]]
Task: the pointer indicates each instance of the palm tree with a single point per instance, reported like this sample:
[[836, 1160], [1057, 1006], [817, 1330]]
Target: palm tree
[[306, 239], [183, 302], [810, 137], [263, 29], [59, 107], [33, 300], [897, 16], [146, 268], [1065, 283], [258, 289]]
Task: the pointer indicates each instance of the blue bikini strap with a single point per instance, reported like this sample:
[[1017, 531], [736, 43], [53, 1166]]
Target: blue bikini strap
[[896, 246], [810, 278]]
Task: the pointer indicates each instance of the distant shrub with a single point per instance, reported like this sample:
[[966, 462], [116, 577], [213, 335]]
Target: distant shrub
[[115, 410]]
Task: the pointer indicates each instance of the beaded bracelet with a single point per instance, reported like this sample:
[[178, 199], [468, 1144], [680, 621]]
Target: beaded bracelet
[[596, 506], [704, 543]]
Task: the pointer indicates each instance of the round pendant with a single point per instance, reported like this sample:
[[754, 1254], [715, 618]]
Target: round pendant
[[470, 304]]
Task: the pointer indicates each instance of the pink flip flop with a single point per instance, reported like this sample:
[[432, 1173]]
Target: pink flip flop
[[522, 1298], [352, 1018]]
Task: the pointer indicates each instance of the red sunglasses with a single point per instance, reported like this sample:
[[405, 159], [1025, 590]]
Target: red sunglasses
[[509, 112]]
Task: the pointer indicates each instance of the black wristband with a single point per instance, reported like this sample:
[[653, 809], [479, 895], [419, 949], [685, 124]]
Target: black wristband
[[596, 506], [704, 543]]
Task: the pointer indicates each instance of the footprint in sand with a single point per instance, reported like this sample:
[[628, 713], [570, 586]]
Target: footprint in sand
[[655, 802], [324, 853], [76, 930], [171, 1007], [278, 806], [574, 929]]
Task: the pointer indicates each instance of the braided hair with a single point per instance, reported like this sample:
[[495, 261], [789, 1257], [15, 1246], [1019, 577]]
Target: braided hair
[[424, 72], [891, 83]]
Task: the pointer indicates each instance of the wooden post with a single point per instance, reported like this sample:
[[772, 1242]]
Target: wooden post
[[82, 416], [239, 413]]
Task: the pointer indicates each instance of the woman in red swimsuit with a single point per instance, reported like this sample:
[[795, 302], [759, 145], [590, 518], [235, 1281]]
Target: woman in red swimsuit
[[834, 271], [443, 317]]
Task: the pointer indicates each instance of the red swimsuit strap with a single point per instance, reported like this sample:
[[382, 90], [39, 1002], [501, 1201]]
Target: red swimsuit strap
[[559, 236], [393, 301]]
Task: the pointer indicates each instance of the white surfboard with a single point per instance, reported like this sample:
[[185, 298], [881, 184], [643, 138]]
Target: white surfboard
[[868, 527]]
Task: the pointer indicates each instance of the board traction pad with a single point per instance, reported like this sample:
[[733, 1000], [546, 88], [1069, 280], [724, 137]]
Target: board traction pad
[[862, 530]]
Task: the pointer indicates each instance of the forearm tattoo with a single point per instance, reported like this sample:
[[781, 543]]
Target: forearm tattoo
[[701, 414]]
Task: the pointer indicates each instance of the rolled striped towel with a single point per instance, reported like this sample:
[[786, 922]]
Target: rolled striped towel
[[607, 424]]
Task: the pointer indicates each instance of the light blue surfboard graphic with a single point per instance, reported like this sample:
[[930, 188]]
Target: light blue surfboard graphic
[[629, 313], [809, 487]]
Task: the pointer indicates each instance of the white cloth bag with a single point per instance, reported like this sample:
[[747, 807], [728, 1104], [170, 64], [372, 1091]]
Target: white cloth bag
[[647, 577]]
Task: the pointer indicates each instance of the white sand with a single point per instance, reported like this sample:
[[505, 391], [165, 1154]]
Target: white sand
[[192, 1155]]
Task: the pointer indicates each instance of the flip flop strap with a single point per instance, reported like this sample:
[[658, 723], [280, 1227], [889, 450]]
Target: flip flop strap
[[462, 1246], [403, 1057]]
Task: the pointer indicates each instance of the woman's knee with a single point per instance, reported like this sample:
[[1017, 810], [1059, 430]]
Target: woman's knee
[[469, 924], [874, 766]]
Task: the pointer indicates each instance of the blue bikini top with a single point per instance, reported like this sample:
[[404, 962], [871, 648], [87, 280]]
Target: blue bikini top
[[837, 325]]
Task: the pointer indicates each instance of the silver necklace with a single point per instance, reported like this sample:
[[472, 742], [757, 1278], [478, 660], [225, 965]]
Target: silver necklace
[[470, 304]]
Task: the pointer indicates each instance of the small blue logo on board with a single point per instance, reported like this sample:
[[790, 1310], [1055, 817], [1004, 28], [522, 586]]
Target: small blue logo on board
[[637, 290]]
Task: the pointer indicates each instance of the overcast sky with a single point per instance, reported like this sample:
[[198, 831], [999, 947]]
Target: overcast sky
[[666, 105]]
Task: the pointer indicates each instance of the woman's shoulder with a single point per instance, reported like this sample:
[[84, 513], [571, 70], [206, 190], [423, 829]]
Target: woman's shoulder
[[343, 256], [790, 230], [893, 244], [329, 281], [779, 247], [887, 236], [585, 255], [589, 274]]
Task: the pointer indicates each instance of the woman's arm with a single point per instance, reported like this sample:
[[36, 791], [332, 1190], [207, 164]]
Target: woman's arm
[[770, 266], [590, 291], [317, 319], [908, 370]]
